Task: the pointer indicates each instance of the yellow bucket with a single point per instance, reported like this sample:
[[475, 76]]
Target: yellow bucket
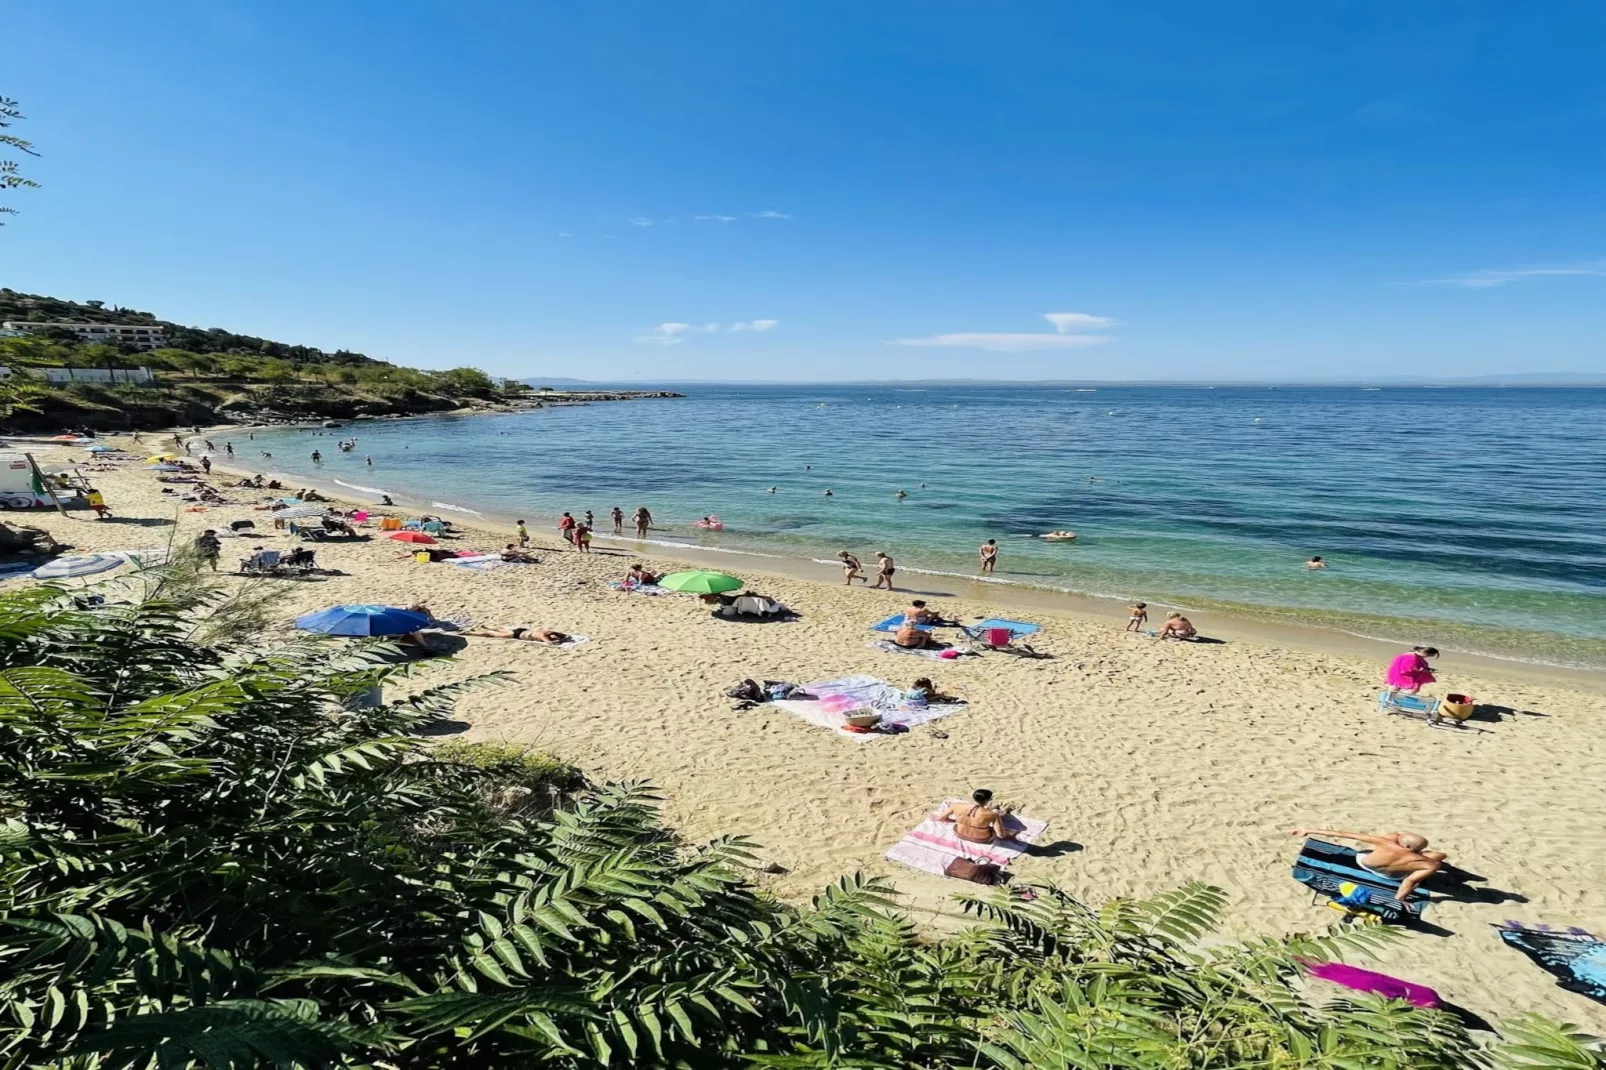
[[1456, 707]]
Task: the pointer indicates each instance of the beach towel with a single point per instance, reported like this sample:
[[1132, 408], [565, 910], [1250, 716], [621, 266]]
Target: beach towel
[[1018, 629], [1331, 869], [894, 622], [933, 843], [572, 641], [887, 646], [1577, 958], [478, 562], [831, 700], [638, 588]]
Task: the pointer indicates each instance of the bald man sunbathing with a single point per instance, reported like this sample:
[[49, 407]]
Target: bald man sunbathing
[[1397, 856]]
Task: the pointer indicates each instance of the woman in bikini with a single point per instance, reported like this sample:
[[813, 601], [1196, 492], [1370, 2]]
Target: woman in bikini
[[980, 822], [527, 635]]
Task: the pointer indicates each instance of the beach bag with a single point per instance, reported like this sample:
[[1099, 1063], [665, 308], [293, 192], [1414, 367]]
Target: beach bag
[[1457, 707], [968, 869]]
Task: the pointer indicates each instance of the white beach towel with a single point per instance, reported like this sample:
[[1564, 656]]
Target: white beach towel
[[639, 588], [834, 699], [932, 844]]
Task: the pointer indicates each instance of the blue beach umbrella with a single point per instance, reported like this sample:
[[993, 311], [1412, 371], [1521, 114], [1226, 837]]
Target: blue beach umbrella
[[363, 620], [102, 449]]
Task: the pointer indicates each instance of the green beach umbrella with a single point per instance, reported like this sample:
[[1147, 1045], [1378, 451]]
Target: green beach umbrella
[[699, 582]]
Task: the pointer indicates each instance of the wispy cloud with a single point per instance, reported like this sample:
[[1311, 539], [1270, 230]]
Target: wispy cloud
[[716, 218], [564, 234], [1069, 333], [770, 213], [1490, 277], [673, 334], [643, 221]]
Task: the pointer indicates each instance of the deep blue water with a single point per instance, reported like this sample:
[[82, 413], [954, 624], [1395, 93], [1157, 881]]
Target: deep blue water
[[1469, 517]]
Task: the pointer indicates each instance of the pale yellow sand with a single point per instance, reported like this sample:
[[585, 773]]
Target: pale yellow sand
[[1162, 762]]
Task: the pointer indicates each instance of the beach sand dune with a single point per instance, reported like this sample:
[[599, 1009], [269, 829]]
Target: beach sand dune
[[1152, 763]]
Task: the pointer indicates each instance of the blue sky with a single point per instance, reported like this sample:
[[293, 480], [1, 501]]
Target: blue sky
[[830, 190]]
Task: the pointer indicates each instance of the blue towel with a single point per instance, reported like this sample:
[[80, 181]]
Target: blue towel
[[893, 623], [1019, 627]]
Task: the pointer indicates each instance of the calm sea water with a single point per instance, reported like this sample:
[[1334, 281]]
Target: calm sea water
[[1471, 518]]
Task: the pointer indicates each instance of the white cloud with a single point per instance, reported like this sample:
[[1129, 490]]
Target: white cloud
[[564, 234], [770, 213], [1065, 336], [672, 334], [1490, 277], [716, 218], [642, 221]]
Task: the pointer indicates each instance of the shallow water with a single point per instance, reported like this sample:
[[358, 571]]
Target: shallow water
[[1466, 517]]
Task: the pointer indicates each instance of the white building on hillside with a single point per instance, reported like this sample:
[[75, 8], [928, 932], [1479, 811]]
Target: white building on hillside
[[145, 337]]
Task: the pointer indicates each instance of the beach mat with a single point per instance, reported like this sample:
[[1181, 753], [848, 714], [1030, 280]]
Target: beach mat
[[1330, 869], [1019, 629], [932, 844], [833, 698], [639, 588], [894, 622], [1575, 957], [887, 646]]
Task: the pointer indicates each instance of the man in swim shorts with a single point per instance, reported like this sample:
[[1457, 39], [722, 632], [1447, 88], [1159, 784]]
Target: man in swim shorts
[[1400, 856], [989, 556], [884, 569]]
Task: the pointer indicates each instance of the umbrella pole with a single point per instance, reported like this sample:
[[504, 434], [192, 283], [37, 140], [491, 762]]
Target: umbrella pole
[[43, 482]]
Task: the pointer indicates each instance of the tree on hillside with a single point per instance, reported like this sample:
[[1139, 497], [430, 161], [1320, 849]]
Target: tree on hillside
[[11, 176]]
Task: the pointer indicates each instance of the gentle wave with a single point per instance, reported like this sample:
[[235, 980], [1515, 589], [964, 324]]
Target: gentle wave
[[456, 508], [358, 486]]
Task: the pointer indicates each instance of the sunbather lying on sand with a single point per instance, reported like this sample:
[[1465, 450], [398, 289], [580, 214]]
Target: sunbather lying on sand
[[1397, 856], [528, 635], [980, 822]]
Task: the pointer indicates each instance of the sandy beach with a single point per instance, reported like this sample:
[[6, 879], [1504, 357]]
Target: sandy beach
[[1153, 763]]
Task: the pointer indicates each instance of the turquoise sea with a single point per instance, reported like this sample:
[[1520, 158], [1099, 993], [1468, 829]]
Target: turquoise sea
[[1470, 518]]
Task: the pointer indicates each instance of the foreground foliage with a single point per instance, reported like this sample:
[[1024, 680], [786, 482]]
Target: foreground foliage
[[214, 854]]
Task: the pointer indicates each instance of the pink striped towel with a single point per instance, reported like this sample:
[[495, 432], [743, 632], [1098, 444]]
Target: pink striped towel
[[933, 843]]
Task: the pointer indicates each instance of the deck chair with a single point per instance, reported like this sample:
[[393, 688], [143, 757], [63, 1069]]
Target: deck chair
[[261, 563]]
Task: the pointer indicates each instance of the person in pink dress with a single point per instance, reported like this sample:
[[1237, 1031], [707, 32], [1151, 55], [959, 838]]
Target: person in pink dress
[[1409, 671]]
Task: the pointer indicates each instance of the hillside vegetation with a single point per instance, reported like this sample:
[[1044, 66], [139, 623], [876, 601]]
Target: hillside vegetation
[[212, 375]]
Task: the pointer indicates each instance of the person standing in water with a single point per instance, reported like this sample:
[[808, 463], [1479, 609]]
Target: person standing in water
[[1316, 562], [618, 521], [643, 520], [317, 458], [989, 556]]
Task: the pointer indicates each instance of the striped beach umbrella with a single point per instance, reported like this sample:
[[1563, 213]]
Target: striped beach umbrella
[[75, 565], [298, 512]]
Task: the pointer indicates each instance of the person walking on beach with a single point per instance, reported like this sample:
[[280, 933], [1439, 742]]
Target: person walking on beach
[[97, 502], [989, 556], [566, 528], [851, 568], [209, 547], [582, 538], [643, 521], [206, 465], [591, 521], [884, 568], [228, 448], [1138, 616], [618, 521], [524, 535]]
